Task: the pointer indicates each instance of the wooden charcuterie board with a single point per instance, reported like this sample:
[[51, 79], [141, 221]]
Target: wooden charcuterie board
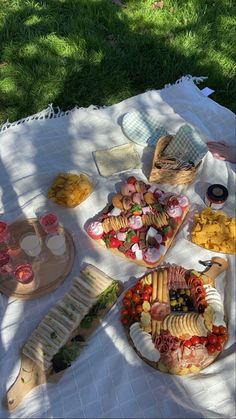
[[174, 318], [49, 270], [32, 371], [140, 222]]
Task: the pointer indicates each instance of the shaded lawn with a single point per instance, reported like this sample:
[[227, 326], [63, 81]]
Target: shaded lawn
[[82, 52]]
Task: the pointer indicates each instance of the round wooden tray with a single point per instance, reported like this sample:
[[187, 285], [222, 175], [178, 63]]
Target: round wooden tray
[[220, 265], [49, 270]]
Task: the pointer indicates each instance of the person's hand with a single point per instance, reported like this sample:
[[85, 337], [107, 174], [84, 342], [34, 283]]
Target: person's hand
[[222, 151]]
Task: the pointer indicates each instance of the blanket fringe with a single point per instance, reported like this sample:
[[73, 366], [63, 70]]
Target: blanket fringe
[[187, 77], [55, 112], [50, 112]]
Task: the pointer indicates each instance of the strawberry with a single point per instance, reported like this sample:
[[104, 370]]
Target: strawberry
[[113, 243], [131, 180], [135, 239], [130, 254]]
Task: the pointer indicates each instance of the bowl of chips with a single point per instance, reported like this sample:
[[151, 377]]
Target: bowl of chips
[[70, 189], [211, 229]]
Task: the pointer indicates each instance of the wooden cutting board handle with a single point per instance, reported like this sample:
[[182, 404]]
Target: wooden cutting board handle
[[30, 376], [217, 268]]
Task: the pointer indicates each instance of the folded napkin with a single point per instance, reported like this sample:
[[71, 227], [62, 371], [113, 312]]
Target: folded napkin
[[187, 145], [142, 128], [117, 159]]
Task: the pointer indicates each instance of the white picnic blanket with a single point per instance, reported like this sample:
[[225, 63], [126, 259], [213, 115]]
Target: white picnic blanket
[[109, 379]]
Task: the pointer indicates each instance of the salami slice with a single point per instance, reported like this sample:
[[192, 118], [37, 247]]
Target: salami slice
[[160, 310]]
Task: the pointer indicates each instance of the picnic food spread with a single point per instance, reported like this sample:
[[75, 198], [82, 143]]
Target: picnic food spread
[[140, 222], [175, 319]]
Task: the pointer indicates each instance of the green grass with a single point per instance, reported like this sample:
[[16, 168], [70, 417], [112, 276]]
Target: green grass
[[82, 52]]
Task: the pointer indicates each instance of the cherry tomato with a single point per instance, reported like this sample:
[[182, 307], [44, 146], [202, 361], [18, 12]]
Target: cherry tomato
[[145, 296], [131, 180], [133, 312], [225, 337], [222, 330], [218, 346], [210, 349], [220, 339], [127, 302], [136, 298], [138, 309], [188, 343], [195, 340], [124, 320], [169, 234], [128, 294], [212, 339], [215, 330], [139, 286], [203, 340], [125, 312], [148, 289]]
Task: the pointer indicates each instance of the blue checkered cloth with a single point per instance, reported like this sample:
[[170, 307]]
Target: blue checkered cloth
[[187, 145], [142, 128]]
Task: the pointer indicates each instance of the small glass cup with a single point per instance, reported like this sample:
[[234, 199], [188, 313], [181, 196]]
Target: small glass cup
[[56, 243], [24, 273], [48, 219], [4, 232], [31, 244]]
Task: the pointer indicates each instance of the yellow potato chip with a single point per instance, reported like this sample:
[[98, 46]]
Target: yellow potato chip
[[70, 190], [215, 231]]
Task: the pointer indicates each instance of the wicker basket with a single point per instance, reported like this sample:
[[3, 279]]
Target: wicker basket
[[172, 176]]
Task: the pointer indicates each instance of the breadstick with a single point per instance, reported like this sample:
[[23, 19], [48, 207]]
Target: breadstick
[[165, 296], [154, 327], [158, 327], [160, 286], [154, 285]]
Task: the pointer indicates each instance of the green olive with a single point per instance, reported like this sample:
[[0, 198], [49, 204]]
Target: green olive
[[173, 303]]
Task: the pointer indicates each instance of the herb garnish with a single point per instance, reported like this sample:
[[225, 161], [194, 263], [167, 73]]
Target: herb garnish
[[66, 355], [136, 207], [107, 297], [158, 207], [129, 235]]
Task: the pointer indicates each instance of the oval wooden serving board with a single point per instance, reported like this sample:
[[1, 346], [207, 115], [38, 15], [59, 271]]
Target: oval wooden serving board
[[49, 270]]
